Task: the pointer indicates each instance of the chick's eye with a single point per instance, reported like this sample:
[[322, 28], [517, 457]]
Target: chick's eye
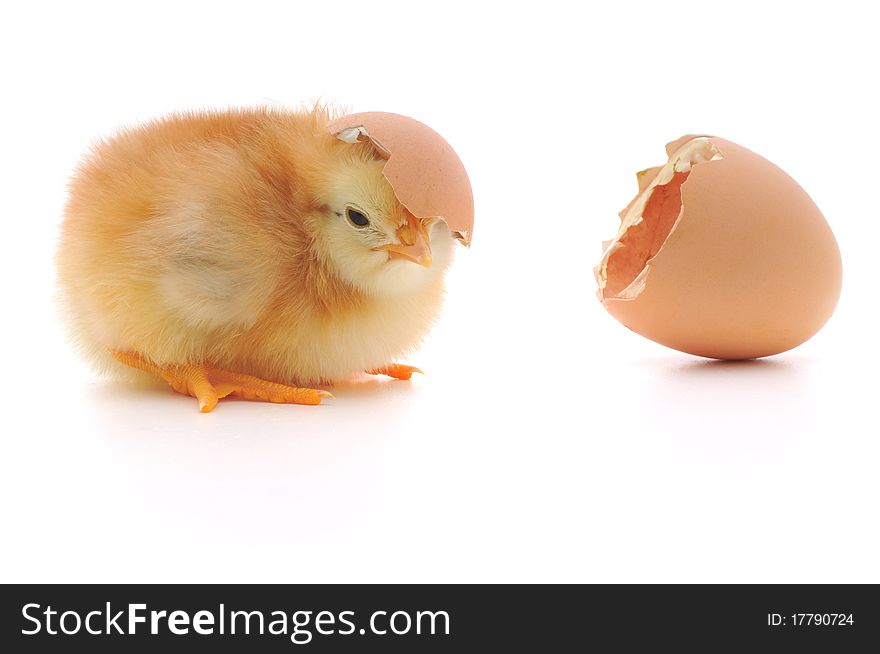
[[356, 218]]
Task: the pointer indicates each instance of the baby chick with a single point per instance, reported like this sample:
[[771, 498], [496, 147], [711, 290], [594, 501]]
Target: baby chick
[[246, 252]]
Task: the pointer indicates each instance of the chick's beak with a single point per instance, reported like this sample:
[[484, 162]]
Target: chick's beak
[[414, 242]]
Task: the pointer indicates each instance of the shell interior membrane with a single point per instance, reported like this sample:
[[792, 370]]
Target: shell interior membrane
[[648, 222], [353, 135]]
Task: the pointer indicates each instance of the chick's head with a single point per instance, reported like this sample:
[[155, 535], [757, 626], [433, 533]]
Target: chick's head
[[369, 238]]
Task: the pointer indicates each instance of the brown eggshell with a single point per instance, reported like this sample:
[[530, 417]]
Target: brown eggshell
[[424, 171], [750, 269]]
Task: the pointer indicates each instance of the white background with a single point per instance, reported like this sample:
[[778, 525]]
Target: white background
[[546, 442]]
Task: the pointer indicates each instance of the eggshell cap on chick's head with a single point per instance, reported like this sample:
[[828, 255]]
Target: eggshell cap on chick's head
[[424, 171], [749, 268]]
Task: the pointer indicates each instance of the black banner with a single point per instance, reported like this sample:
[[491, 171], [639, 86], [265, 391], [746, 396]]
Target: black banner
[[445, 618]]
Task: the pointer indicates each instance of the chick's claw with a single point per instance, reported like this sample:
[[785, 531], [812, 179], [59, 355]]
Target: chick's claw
[[209, 384], [397, 371], [192, 380]]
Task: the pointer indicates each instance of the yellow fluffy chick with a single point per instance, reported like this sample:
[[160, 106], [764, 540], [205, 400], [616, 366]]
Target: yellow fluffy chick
[[246, 252]]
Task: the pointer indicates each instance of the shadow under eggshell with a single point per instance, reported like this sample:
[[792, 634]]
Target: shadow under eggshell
[[751, 268], [424, 171]]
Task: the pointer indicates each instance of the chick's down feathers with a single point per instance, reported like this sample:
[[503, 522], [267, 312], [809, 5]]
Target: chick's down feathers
[[236, 239]]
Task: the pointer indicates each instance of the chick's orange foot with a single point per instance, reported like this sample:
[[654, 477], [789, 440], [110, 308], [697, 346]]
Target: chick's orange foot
[[209, 384], [396, 370]]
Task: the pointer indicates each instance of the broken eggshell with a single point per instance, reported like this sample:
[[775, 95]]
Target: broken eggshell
[[721, 254], [424, 171]]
